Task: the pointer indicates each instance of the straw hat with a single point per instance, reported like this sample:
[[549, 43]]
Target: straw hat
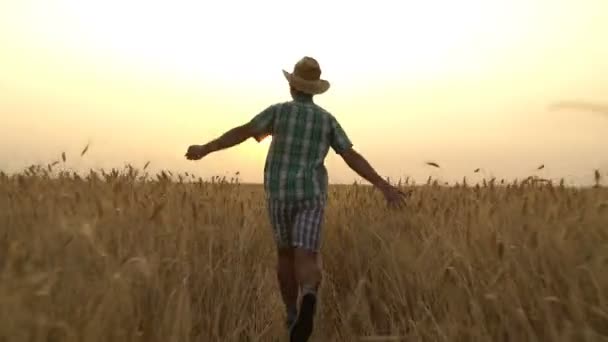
[[306, 77]]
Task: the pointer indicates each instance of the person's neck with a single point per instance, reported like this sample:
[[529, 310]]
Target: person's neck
[[302, 97]]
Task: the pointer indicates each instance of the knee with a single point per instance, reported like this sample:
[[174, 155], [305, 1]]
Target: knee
[[285, 261], [308, 265]]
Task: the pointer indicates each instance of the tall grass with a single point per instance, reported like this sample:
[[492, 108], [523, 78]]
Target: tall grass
[[126, 256]]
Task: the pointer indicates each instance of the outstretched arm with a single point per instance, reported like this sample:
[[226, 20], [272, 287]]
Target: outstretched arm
[[259, 127], [229, 139], [362, 167]]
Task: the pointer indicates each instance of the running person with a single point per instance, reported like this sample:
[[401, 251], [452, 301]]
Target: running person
[[296, 182]]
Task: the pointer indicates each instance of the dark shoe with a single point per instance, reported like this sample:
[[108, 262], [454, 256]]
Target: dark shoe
[[302, 329]]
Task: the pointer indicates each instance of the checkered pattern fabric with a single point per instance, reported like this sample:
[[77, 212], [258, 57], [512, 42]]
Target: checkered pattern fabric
[[297, 223], [302, 133]]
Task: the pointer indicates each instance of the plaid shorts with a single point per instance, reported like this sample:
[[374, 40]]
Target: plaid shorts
[[297, 223]]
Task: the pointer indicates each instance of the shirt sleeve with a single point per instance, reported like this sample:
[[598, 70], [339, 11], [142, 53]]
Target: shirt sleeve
[[262, 123], [339, 140]]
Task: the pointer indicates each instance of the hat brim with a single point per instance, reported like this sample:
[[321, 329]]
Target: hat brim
[[306, 86]]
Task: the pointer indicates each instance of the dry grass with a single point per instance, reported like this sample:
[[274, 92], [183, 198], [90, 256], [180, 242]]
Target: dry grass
[[113, 257]]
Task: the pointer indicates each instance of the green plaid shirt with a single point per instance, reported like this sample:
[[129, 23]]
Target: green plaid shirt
[[302, 133]]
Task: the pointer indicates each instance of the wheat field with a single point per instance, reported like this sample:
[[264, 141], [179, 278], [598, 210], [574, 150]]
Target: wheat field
[[125, 256]]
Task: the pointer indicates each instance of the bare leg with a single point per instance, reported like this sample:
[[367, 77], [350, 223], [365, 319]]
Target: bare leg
[[306, 234], [288, 284], [308, 269], [308, 273]]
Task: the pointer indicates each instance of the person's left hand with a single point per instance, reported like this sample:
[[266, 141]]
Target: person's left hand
[[196, 152], [394, 197]]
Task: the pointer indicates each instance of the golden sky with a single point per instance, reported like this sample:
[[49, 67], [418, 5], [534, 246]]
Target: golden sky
[[464, 83]]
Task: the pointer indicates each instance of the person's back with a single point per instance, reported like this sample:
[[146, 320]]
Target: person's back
[[302, 134]]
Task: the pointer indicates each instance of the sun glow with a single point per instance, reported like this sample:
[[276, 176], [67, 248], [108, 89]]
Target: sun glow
[[267, 141], [216, 42], [447, 80]]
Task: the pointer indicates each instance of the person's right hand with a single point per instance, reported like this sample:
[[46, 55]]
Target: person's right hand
[[196, 152], [394, 197]]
